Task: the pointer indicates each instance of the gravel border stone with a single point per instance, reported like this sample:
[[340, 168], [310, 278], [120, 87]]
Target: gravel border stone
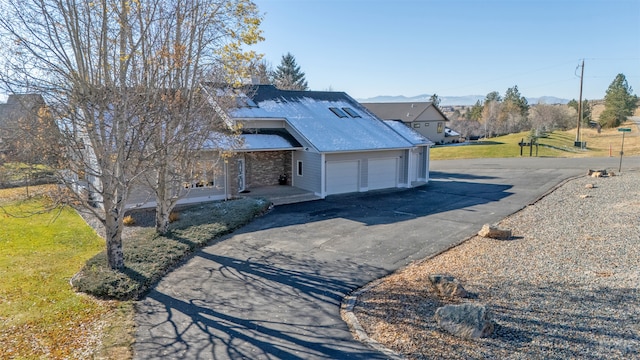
[[565, 285]]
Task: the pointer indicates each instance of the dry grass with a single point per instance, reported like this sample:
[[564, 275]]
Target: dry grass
[[599, 144]]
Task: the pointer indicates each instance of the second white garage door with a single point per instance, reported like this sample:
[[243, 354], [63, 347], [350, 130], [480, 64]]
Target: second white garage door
[[383, 173]]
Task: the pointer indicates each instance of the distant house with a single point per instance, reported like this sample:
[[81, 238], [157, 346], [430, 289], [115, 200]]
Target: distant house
[[423, 117], [26, 130], [323, 142], [451, 136]]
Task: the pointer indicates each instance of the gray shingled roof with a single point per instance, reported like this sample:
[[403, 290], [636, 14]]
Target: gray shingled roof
[[403, 111]]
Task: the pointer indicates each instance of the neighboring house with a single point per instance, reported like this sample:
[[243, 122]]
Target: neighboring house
[[423, 117], [23, 125], [451, 136], [323, 142]]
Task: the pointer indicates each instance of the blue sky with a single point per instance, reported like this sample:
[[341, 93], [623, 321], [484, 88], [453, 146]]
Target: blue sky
[[457, 47]]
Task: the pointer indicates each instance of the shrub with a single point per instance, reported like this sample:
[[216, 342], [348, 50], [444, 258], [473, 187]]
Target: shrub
[[149, 256], [129, 220], [174, 216]]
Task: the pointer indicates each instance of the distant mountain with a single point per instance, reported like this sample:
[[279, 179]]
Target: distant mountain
[[455, 100]]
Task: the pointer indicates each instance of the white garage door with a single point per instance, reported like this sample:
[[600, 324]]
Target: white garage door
[[342, 177], [383, 173]]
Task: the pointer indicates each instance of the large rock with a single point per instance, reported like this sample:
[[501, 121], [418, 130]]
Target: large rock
[[494, 232], [469, 321], [447, 285]]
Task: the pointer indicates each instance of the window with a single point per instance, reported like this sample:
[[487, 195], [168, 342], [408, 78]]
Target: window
[[440, 127], [339, 113], [351, 112], [416, 125], [299, 168]]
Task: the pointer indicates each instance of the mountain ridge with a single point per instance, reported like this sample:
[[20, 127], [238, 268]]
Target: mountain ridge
[[456, 100]]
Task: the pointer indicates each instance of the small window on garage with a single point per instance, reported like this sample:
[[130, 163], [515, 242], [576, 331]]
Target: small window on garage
[[416, 125], [299, 169]]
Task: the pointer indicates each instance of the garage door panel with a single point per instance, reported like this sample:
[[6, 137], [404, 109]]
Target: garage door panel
[[342, 177], [383, 173]]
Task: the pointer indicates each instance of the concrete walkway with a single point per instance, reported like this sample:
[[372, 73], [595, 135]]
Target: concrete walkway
[[273, 289]]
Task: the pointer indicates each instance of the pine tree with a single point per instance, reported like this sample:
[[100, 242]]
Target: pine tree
[[619, 102], [515, 102], [288, 75], [435, 99]]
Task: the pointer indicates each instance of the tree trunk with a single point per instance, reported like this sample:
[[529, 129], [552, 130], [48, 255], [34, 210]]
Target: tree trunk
[[163, 201], [113, 236], [162, 219]]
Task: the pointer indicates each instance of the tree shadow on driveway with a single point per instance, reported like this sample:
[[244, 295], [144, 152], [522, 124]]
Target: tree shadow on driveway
[[269, 307], [272, 290], [391, 206]]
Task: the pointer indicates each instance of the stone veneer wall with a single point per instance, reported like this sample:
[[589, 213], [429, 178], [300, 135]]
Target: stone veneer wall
[[265, 168], [261, 169]]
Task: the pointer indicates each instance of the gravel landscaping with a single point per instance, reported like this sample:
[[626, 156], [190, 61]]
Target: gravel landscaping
[[566, 284]]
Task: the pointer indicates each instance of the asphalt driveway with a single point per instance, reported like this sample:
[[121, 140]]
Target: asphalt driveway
[[272, 290]]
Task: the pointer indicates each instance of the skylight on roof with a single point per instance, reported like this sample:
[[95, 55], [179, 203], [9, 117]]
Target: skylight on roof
[[351, 112], [339, 113]]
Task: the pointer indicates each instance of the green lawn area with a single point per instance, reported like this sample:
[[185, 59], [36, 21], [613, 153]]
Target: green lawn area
[[503, 147], [40, 314], [555, 144]]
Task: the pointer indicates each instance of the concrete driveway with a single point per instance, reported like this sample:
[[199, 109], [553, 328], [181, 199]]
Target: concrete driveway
[[273, 289]]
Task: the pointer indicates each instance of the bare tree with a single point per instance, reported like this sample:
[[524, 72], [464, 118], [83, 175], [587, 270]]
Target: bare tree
[[118, 76], [490, 115], [188, 37], [547, 118]]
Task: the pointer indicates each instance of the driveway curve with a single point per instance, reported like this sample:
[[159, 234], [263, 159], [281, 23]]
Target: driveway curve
[[273, 289]]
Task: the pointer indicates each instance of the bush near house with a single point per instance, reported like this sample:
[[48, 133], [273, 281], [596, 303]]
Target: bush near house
[[149, 256]]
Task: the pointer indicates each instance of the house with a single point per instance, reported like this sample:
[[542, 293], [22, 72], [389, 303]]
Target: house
[[322, 142], [423, 117], [26, 131], [451, 136]]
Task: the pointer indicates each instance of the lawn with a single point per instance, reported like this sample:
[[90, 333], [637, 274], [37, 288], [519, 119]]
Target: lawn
[[42, 317], [40, 314], [555, 144]]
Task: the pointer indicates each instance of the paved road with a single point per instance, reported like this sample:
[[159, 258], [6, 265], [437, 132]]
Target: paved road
[[273, 289]]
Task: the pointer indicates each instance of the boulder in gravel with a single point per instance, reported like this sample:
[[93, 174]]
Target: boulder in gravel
[[494, 232], [589, 186], [447, 286], [469, 321]]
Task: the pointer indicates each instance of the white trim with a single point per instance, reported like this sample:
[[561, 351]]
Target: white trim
[[323, 172]]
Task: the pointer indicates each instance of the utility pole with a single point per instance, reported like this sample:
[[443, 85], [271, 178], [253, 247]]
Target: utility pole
[[578, 142]]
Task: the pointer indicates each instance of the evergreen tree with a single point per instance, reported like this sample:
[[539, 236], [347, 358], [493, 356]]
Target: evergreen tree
[[435, 100], [586, 109], [492, 96], [475, 112], [619, 102], [515, 102], [288, 75]]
